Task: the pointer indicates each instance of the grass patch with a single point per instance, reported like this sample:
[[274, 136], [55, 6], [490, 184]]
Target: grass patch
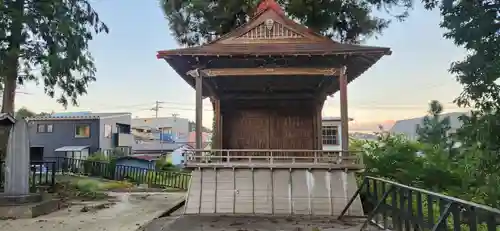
[[87, 189]]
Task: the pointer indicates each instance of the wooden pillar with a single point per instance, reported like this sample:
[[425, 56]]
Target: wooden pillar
[[344, 116], [318, 123], [217, 129], [199, 109]]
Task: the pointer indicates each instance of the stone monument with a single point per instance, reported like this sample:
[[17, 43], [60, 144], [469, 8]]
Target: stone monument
[[17, 161], [17, 164]]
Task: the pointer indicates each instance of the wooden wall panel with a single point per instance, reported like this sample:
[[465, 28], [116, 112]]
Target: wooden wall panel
[[292, 129], [269, 125], [246, 129]]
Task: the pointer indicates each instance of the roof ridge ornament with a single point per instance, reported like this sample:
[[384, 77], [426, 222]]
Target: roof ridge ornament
[[269, 4]]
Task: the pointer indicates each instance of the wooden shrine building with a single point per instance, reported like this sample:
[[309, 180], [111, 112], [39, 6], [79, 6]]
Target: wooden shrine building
[[268, 80]]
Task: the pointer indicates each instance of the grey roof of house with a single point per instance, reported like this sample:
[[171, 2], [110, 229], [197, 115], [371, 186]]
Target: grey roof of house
[[155, 145], [80, 116], [408, 127]]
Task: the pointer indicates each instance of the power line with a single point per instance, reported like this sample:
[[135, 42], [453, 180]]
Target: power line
[[157, 108]]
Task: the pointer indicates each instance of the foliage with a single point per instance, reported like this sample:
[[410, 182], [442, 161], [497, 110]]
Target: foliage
[[470, 171], [117, 153], [195, 22], [164, 164], [474, 25], [47, 42], [23, 112], [98, 157], [435, 129], [389, 157], [100, 164], [88, 189]]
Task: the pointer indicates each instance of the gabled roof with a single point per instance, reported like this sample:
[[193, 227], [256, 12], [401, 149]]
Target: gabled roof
[[7, 119], [270, 32]]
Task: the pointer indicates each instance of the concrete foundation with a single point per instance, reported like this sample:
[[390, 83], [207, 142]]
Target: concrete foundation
[[271, 191], [8, 199], [30, 210]]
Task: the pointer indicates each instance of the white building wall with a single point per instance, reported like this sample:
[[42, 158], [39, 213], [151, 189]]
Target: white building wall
[[180, 126]]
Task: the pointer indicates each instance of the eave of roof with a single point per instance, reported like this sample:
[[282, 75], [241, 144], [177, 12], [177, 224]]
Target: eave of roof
[[358, 58], [275, 49], [314, 43]]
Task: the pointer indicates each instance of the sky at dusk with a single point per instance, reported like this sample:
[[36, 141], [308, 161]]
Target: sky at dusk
[[130, 78]]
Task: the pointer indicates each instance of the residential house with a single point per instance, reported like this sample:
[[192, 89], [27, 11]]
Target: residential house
[[76, 132], [174, 128], [408, 127], [177, 156]]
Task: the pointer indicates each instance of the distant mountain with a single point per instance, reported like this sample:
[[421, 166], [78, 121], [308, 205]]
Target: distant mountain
[[370, 126], [408, 127], [363, 136]]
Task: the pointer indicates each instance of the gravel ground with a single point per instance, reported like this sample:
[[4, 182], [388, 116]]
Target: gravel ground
[[177, 222], [128, 213]]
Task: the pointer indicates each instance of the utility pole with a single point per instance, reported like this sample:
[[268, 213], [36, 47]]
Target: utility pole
[[157, 108]]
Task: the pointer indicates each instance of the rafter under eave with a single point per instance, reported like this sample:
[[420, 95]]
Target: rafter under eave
[[270, 71]]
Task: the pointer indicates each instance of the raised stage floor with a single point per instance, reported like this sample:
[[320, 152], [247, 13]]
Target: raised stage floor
[[252, 185]]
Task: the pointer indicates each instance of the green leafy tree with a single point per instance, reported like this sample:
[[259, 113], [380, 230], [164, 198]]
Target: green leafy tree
[[24, 113], [434, 129], [474, 25], [393, 157], [194, 22], [52, 38], [46, 42]]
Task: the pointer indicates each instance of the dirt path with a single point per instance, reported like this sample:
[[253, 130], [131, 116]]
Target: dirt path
[[178, 222], [131, 211]]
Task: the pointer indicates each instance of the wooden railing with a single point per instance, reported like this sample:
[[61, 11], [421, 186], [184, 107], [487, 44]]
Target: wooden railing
[[277, 158]]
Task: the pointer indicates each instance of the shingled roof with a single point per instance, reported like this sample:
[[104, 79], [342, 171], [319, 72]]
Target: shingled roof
[[270, 32]]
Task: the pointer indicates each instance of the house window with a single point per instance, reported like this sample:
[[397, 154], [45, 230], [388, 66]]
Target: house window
[[167, 130], [41, 128], [107, 131], [123, 128], [330, 135], [44, 128], [82, 131]]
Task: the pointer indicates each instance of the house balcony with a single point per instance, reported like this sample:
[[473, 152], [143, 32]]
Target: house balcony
[[124, 140], [259, 158]]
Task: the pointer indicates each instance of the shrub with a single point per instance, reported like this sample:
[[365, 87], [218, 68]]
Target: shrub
[[164, 164], [95, 164]]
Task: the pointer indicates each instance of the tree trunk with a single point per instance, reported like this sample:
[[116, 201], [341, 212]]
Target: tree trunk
[[11, 63]]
